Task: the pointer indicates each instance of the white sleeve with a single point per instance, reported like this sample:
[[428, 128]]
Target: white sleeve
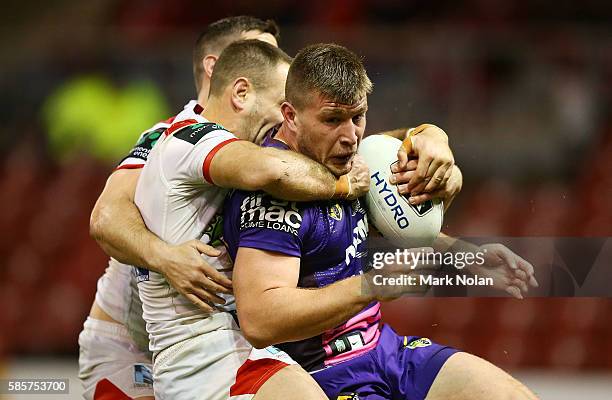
[[192, 149]]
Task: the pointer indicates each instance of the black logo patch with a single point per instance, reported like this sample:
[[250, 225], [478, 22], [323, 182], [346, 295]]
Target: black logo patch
[[146, 142], [193, 133]]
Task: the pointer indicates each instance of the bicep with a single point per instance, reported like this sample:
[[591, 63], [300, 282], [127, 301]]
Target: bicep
[[239, 165], [115, 201], [122, 183]]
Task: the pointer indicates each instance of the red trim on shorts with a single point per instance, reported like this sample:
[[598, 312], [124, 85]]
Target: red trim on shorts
[[253, 374], [105, 390], [129, 166], [209, 157], [179, 125]]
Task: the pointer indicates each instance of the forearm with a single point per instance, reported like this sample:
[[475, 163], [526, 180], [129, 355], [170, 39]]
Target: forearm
[[293, 176], [431, 131], [448, 244], [118, 228], [399, 133], [287, 314]]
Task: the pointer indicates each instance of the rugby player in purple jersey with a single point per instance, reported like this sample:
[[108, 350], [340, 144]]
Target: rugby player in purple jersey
[[297, 265]]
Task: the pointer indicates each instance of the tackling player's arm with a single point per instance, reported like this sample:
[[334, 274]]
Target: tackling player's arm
[[510, 272], [117, 226], [284, 174], [271, 309]]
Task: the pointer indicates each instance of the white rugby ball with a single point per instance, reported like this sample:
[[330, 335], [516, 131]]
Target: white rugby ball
[[403, 224]]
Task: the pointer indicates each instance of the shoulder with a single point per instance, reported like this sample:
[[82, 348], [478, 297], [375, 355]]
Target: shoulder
[[192, 131]]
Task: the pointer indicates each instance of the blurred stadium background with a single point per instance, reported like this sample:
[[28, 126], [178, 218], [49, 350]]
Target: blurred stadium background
[[524, 90]]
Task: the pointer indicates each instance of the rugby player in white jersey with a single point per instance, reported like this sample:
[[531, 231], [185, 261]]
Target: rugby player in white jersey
[[114, 357], [114, 354]]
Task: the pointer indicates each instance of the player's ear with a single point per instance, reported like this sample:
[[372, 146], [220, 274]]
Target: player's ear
[[240, 93], [289, 115], [209, 64]]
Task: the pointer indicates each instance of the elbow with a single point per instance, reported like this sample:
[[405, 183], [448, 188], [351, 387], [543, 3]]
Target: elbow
[[97, 222], [258, 334]]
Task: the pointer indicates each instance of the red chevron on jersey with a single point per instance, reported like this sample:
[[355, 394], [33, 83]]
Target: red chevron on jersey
[[168, 121], [180, 125]]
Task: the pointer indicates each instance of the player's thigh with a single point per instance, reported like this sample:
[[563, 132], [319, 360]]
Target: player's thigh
[[291, 382], [144, 398], [467, 377]]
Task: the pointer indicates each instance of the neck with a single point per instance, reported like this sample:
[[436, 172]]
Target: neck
[[203, 93], [215, 112], [287, 137]]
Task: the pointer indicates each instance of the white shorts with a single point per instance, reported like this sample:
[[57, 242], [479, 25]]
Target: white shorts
[[215, 366], [110, 363]]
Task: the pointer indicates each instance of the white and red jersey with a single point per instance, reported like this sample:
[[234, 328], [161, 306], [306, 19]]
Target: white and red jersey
[[179, 202], [117, 293], [137, 157]]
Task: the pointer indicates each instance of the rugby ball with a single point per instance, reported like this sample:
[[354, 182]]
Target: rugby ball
[[401, 223]]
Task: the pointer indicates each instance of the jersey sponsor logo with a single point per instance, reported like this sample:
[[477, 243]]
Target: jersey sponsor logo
[[360, 234], [420, 342], [144, 145], [193, 133], [357, 208], [261, 211], [142, 376], [335, 211]]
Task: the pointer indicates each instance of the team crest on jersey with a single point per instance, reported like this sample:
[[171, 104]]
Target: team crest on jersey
[[420, 342], [194, 132], [335, 211], [263, 212]]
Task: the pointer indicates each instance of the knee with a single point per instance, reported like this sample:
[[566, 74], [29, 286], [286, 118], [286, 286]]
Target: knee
[[465, 376]]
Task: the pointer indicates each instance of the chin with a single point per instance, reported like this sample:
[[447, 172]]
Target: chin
[[339, 170]]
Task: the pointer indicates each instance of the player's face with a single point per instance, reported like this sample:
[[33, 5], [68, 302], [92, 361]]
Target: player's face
[[265, 112], [259, 35], [330, 132]]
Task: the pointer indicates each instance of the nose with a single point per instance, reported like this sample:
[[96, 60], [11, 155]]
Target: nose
[[348, 135]]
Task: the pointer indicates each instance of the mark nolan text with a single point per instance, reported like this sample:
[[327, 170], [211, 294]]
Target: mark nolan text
[[430, 280]]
